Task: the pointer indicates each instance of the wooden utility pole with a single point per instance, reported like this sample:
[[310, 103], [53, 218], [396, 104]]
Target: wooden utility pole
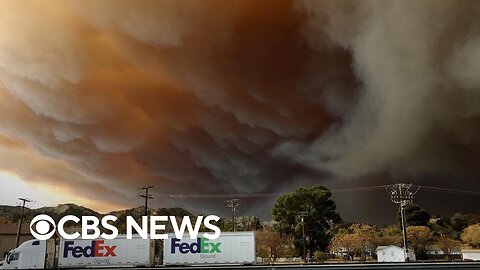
[[19, 230], [233, 203], [303, 214], [402, 194], [147, 197]]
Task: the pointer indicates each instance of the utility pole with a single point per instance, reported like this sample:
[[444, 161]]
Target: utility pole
[[19, 230], [147, 197], [233, 203], [402, 194], [302, 215]]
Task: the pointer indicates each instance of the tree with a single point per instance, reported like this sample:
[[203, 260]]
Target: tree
[[414, 215], [448, 245], [366, 236], [471, 235], [320, 216], [390, 235], [419, 238], [355, 240], [272, 243], [4, 220], [320, 256], [461, 221], [247, 223], [344, 242], [443, 226], [458, 222]]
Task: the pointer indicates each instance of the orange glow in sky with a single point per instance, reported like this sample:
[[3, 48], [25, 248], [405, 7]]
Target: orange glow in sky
[[14, 187]]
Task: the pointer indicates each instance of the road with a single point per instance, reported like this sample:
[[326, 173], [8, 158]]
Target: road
[[379, 266]]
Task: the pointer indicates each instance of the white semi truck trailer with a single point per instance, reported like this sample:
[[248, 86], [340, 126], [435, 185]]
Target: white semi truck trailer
[[51, 254], [229, 248]]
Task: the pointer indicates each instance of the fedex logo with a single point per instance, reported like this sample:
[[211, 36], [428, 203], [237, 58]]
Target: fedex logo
[[96, 249], [201, 246]]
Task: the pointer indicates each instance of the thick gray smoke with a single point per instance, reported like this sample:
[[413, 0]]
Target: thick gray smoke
[[239, 97], [418, 104]]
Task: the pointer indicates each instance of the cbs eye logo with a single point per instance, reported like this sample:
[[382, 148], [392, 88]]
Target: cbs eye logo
[[42, 227]]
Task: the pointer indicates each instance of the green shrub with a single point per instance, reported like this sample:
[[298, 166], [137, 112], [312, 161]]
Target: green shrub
[[320, 256]]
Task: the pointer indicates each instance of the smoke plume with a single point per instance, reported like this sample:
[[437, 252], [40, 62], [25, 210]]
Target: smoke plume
[[101, 97]]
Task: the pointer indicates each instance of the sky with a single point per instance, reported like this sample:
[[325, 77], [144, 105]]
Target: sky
[[98, 98]]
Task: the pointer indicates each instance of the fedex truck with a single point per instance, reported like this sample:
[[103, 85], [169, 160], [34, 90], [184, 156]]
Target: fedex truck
[[53, 254], [229, 248]]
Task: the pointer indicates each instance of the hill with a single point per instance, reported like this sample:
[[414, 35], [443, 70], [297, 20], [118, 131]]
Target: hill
[[11, 214]]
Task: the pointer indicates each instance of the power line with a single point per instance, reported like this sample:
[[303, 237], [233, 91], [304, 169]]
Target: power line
[[358, 189], [344, 190], [260, 195], [450, 190]]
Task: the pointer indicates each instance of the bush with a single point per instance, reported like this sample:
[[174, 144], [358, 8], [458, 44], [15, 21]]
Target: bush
[[320, 256]]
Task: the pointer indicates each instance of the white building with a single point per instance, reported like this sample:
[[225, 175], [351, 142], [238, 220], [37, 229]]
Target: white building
[[471, 254], [434, 251], [393, 254]]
